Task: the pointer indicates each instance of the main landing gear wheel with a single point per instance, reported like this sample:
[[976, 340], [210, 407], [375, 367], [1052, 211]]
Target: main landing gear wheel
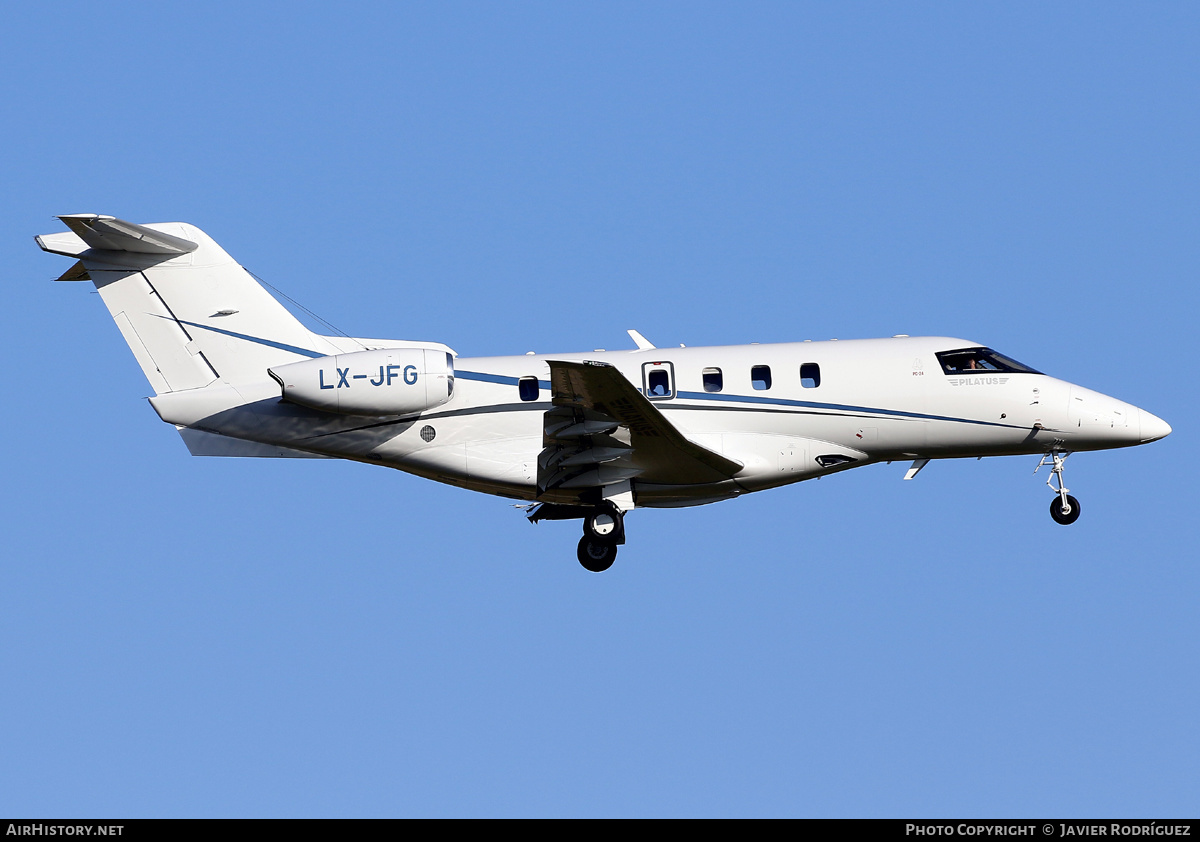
[[603, 525], [595, 554], [1064, 514]]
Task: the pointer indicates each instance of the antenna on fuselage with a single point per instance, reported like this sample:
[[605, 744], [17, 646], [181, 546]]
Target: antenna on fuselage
[[642, 342]]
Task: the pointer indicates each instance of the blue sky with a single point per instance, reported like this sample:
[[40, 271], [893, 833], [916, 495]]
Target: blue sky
[[210, 637]]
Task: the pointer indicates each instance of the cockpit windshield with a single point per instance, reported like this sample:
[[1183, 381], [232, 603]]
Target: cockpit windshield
[[980, 359]]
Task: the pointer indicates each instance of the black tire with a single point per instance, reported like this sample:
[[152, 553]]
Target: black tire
[[1069, 516], [596, 556]]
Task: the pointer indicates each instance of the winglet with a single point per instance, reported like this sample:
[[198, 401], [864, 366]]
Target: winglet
[[642, 342]]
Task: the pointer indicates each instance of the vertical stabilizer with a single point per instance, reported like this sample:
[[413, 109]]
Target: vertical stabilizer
[[190, 314]]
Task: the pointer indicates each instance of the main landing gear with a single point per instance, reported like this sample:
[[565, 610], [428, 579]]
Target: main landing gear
[[1063, 508], [603, 530]]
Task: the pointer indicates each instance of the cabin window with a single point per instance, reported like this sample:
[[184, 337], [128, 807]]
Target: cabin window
[[658, 383], [972, 360], [713, 382], [528, 388], [760, 377], [810, 375], [658, 380]]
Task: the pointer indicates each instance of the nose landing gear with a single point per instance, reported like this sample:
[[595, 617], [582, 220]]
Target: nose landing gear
[[1063, 508]]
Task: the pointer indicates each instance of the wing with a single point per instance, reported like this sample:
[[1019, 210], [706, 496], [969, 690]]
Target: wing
[[602, 431]]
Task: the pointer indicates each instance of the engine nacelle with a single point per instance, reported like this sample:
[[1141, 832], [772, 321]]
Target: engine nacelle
[[387, 381]]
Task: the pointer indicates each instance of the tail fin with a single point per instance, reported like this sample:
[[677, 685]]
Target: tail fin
[[190, 314]]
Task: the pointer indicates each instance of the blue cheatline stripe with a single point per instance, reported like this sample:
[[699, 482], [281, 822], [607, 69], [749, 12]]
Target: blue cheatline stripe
[[258, 340], [782, 402], [495, 378], [840, 407], [485, 378]]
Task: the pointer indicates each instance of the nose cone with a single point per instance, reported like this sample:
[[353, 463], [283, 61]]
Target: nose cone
[[1153, 427]]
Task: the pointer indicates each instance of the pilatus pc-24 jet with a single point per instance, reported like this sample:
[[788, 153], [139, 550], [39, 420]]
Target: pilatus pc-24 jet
[[589, 436]]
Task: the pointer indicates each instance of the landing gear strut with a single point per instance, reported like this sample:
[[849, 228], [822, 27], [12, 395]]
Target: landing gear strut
[[1063, 508], [603, 530]]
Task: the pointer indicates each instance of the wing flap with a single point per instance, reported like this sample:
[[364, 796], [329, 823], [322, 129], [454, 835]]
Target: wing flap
[[603, 431]]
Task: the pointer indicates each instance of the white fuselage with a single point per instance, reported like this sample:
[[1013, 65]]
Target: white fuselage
[[592, 433], [873, 400]]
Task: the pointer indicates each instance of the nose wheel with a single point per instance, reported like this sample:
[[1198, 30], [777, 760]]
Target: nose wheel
[[1063, 508]]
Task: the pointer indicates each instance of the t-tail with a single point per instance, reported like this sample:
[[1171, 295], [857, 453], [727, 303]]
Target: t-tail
[[191, 315]]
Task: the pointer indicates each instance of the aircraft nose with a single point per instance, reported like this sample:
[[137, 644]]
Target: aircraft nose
[[1153, 427]]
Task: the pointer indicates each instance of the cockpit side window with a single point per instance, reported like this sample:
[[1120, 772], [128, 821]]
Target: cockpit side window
[[968, 360]]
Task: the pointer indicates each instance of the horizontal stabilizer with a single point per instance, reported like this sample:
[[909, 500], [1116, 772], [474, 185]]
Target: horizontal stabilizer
[[112, 234], [66, 243], [78, 272]]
